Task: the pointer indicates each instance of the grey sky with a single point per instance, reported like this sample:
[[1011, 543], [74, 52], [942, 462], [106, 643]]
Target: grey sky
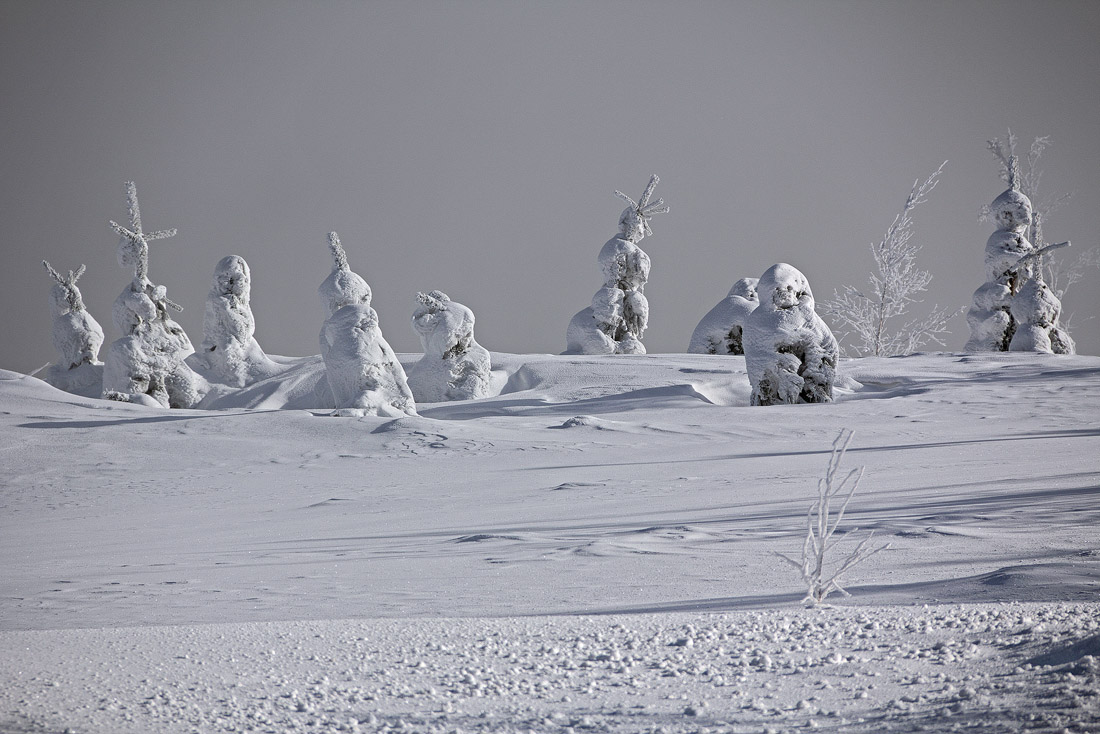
[[473, 147]]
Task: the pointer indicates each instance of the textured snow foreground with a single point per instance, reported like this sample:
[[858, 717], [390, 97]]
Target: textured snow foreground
[[590, 549]]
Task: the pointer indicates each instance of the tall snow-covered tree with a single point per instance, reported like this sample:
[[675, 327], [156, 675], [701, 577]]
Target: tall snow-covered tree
[[619, 313], [1014, 309], [77, 337], [362, 371], [147, 363], [867, 319]]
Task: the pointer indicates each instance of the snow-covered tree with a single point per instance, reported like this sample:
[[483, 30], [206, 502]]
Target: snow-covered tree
[[790, 354], [147, 364], [229, 352], [454, 365], [1057, 273], [77, 337], [719, 332], [867, 317], [619, 313], [363, 372], [1014, 293]]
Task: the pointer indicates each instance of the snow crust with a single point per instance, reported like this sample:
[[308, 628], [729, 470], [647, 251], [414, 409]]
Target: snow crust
[[720, 331], [593, 547]]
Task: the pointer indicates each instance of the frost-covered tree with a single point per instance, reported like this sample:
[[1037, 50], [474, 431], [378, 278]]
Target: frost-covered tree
[[229, 352], [1058, 274], [867, 318], [454, 365], [363, 372], [619, 313], [790, 354], [77, 337], [1014, 293], [719, 332], [147, 364]]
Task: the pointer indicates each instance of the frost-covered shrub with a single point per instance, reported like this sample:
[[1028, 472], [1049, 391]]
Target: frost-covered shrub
[[719, 332], [229, 352], [147, 364], [790, 354], [363, 372], [77, 337], [1014, 309], [820, 569], [619, 313], [454, 365]]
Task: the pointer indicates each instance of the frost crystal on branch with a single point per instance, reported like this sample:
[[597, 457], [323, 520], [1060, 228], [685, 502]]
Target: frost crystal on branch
[[897, 280], [820, 571]]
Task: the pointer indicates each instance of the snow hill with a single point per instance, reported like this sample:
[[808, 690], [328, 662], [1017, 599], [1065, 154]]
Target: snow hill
[[592, 548]]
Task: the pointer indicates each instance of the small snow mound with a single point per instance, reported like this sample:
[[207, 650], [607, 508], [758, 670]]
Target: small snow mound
[[582, 420]]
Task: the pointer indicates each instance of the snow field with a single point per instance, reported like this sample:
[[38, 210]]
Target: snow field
[[1019, 667]]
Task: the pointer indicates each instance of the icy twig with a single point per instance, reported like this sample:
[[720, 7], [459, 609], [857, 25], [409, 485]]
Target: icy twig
[[821, 527]]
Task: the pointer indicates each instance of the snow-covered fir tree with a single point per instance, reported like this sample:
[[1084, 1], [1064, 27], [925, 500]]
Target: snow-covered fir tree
[[719, 332], [619, 313], [77, 337], [362, 371], [1014, 293], [790, 354], [229, 353], [147, 364], [454, 365]]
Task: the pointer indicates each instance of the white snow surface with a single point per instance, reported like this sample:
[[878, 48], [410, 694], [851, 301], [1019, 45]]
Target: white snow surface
[[590, 549]]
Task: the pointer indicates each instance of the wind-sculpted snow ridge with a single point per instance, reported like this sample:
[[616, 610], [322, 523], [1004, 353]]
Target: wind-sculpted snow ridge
[[881, 670]]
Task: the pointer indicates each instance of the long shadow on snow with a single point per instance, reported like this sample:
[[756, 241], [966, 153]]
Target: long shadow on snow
[[133, 421], [647, 398], [1035, 436]]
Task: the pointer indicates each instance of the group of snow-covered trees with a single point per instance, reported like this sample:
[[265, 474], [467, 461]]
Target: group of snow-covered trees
[[790, 353]]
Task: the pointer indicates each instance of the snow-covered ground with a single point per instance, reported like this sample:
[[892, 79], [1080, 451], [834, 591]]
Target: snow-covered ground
[[592, 549]]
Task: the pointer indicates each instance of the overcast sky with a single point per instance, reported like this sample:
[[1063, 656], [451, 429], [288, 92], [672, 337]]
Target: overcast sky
[[474, 147]]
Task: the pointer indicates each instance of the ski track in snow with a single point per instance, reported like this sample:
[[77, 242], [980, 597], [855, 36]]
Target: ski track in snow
[[591, 549]]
